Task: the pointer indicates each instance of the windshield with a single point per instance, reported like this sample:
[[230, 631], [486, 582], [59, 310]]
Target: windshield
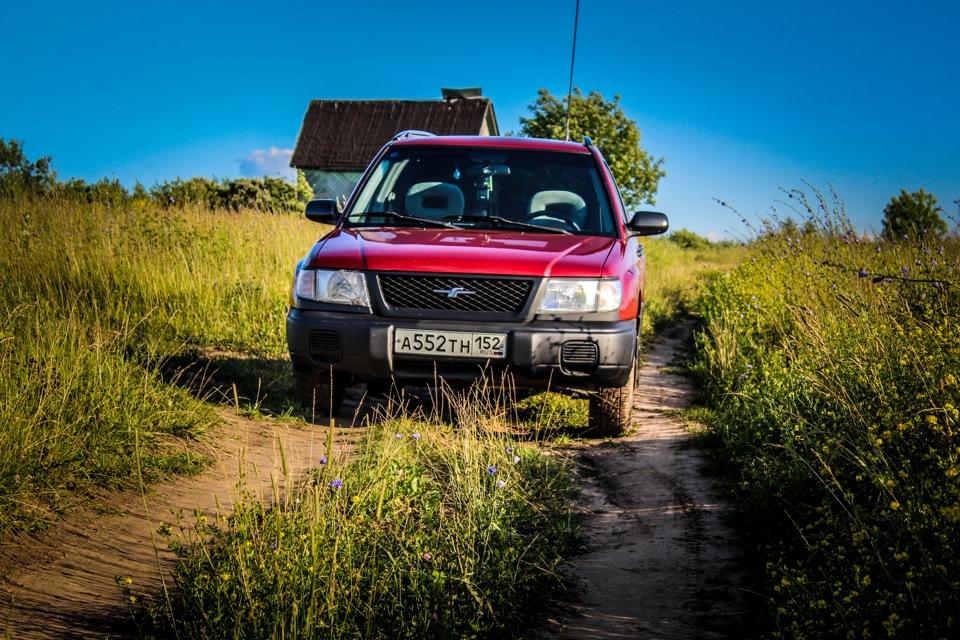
[[482, 188]]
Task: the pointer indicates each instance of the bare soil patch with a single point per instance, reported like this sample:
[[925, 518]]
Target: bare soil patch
[[661, 561], [62, 584]]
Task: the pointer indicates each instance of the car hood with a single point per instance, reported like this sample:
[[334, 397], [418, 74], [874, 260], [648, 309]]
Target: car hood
[[464, 251]]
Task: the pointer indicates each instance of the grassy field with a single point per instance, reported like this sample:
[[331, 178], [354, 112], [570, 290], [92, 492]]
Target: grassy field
[[428, 531], [99, 303], [832, 361], [94, 301], [107, 315]]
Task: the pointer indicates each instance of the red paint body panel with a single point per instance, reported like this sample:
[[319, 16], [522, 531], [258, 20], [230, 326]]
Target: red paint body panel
[[466, 251], [494, 142]]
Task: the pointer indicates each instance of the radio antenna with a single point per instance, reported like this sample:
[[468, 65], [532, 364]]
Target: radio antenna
[[573, 56]]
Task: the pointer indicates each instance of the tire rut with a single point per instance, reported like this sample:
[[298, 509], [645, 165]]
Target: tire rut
[[660, 562]]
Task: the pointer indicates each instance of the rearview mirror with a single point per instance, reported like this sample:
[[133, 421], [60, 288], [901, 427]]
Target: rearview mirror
[[485, 170], [648, 223], [322, 211]]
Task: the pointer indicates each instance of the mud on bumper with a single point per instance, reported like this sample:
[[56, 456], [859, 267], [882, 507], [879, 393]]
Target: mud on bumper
[[539, 354]]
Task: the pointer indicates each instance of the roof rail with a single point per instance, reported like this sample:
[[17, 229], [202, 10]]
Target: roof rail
[[412, 133], [587, 142]]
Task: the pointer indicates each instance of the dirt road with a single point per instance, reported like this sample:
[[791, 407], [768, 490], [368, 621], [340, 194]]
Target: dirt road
[[660, 561], [61, 584]]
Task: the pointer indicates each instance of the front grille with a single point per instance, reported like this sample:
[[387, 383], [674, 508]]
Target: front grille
[[453, 293]]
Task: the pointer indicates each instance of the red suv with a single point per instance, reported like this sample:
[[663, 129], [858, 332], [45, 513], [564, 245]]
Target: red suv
[[463, 256]]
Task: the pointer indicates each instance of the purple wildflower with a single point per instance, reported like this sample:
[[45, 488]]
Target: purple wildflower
[[336, 483], [491, 470]]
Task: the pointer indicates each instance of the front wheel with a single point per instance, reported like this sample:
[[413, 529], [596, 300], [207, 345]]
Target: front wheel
[[611, 409], [322, 391]]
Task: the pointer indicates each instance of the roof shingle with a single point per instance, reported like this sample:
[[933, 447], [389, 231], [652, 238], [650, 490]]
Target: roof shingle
[[346, 134]]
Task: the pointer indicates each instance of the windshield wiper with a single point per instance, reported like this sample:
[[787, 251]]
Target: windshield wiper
[[499, 221], [402, 216]]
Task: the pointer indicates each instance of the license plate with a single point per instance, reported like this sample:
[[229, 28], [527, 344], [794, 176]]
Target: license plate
[[460, 344]]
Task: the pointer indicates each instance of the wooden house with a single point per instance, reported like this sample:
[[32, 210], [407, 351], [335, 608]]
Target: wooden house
[[338, 138]]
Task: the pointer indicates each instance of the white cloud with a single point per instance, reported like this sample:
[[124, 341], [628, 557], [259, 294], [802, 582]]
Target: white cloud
[[715, 236], [274, 162]]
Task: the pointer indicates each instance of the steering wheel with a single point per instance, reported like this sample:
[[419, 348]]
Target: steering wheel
[[548, 219]]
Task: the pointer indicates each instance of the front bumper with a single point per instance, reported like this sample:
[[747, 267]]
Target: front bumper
[[539, 354]]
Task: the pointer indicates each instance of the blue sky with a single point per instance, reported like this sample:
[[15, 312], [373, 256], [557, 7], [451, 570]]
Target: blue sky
[[742, 99]]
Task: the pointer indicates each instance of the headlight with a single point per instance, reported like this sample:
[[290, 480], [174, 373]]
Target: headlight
[[581, 296], [336, 287]]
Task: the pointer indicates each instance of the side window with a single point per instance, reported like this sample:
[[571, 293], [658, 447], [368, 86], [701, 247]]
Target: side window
[[377, 194]]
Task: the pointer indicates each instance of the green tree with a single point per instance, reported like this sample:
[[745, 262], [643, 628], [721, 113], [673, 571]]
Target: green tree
[[912, 214], [304, 190], [616, 135], [688, 239], [18, 174]]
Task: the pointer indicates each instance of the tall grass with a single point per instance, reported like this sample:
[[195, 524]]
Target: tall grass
[[428, 532], [833, 359], [675, 273], [93, 301]]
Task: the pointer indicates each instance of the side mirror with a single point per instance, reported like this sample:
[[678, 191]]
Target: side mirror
[[322, 211], [648, 223]]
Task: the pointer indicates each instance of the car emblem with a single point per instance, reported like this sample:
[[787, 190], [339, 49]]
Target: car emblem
[[453, 292]]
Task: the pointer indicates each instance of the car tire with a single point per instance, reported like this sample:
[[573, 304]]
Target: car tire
[[321, 391], [381, 388], [611, 409]]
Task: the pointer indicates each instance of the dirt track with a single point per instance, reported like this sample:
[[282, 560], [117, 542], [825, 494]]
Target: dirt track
[[660, 561]]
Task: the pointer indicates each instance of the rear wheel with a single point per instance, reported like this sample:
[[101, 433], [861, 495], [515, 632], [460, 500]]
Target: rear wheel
[[322, 391]]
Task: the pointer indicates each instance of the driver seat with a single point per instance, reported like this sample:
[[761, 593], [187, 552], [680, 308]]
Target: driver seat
[[434, 200], [550, 208]]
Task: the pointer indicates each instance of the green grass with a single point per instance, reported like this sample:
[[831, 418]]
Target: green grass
[[675, 275], [428, 532], [95, 305], [123, 329], [831, 361]]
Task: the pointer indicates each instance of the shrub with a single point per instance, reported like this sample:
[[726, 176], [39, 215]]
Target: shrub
[[833, 360], [688, 239]]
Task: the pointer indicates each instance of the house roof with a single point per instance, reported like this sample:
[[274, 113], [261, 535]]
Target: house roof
[[346, 134]]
